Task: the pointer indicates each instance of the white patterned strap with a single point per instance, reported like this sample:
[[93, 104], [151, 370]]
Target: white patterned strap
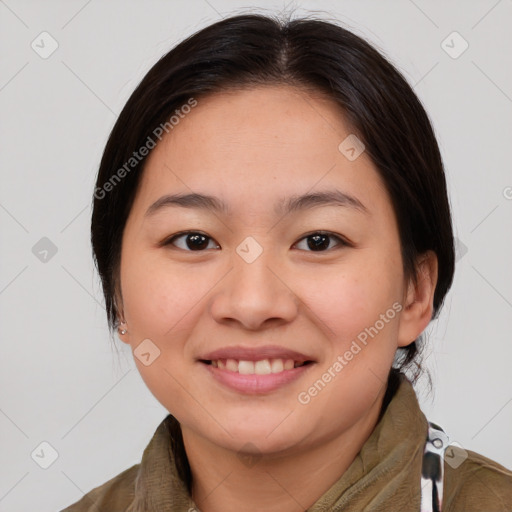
[[432, 469]]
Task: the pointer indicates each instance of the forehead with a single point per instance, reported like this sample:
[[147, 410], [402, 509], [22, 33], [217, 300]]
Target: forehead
[[273, 120], [274, 139]]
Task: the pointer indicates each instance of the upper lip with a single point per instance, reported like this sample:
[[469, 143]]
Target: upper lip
[[255, 354]]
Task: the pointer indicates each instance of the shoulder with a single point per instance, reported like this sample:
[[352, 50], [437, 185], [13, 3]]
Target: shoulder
[[115, 495], [473, 482]]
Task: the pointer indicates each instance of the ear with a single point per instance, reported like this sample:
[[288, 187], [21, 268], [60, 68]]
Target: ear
[[418, 300]]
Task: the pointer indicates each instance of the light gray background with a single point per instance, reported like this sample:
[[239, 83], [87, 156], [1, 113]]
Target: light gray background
[[60, 381]]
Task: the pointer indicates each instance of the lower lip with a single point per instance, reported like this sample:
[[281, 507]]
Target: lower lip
[[256, 384]]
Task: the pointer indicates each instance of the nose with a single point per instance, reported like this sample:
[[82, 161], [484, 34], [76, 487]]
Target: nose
[[254, 296]]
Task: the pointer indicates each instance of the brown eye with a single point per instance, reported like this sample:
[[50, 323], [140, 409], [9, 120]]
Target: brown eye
[[320, 242], [192, 241]]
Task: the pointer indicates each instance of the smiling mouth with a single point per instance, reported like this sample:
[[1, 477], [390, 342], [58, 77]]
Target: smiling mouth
[[261, 367]]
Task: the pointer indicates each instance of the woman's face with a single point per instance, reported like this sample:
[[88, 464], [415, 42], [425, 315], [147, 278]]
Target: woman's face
[[294, 255]]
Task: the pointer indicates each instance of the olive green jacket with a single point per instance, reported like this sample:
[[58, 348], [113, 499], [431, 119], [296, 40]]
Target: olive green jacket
[[384, 476]]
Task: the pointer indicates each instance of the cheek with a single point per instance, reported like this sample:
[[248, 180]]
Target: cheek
[[155, 297], [351, 297], [361, 309], [159, 307]]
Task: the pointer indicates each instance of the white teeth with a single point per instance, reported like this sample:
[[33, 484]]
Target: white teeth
[[289, 364], [232, 365], [261, 367], [277, 366], [246, 367]]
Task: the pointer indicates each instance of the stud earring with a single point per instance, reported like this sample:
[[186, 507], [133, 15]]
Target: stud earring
[[122, 331]]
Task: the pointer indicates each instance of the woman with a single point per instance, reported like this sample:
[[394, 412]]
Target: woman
[[273, 234]]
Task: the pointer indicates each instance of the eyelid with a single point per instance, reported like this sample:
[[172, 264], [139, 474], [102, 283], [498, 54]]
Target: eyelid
[[169, 240], [342, 241]]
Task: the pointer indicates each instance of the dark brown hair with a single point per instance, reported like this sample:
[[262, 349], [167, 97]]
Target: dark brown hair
[[253, 50]]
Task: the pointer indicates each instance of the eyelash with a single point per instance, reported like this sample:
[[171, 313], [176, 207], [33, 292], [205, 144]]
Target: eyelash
[[341, 242]]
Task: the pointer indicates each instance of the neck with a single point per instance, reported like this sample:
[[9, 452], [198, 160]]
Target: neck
[[222, 481]]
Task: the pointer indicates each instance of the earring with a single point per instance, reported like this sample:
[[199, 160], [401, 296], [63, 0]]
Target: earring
[[122, 331]]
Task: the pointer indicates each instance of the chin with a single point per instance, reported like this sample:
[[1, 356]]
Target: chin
[[260, 445], [263, 437]]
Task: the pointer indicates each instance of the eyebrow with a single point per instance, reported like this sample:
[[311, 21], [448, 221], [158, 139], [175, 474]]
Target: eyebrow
[[294, 203], [326, 198]]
